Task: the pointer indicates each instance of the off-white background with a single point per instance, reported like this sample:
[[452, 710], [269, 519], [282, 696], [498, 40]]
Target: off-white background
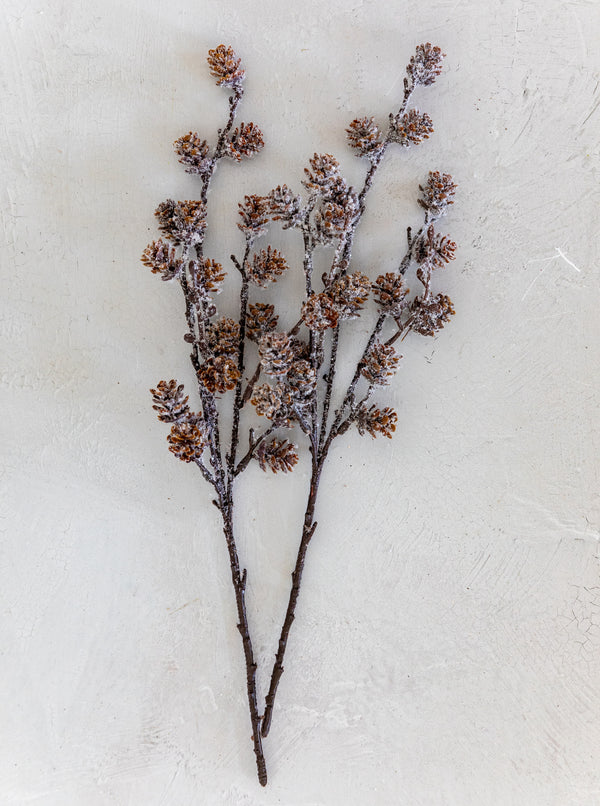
[[446, 649]]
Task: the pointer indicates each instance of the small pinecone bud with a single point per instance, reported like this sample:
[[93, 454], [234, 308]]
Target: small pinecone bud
[[285, 206], [390, 293], [266, 267], [182, 222], [376, 421], [429, 316], [301, 381], [219, 374], [380, 364], [426, 65], [349, 293], [412, 128], [270, 402], [277, 454], [225, 67], [192, 153], [435, 248], [261, 319], [276, 353], [365, 137], [160, 257], [323, 173], [246, 141], [207, 276], [254, 216], [437, 193], [170, 401], [319, 312], [331, 221], [223, 337], [188, 439]]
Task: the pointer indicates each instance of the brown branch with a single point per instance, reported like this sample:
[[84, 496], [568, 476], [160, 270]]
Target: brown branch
[[239, 585], [307, 533]]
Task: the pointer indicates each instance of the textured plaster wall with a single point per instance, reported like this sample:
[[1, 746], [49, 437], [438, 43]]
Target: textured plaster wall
[[447, 646]]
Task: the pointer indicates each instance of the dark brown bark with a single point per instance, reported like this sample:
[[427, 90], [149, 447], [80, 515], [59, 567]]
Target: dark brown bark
[[307, 532], [238, 579]]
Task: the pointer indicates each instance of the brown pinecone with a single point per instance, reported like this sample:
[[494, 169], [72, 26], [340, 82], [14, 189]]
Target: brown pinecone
[[319, 312], [254, 214], [246, 141], [278, 455], [380, 364], [426, 65], [188, 439], [223, 337], [261, 319], [390, 293], [267, 265], [435, 248], [376, 421], [285, 206], [270, 402], [192, 153], [365, 137], [301, 380], [437, 193], [207, 276], [225, 66], [427, 317], [183, 222], [349, 293], [170, 401], [219, 374], [161, 258], [276, 353], [412, 128], [323, 173]]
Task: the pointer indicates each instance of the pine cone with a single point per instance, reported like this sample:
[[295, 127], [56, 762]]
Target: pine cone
[[182, 222], [225, 67], [261, 319], [246, 141], [276, 353], [170, 402], [271, 402], [285, 206], [390, 293], [188, 439], [437, 193], [192, 153], [319, 312], [219, 374], [266, 267], [365, 137], [223, 337], [278, 455], [349, 293], [429, 316], [160, 257], [412, 128], [207, 276], [301, 381], [380, 364], [426, 65], [376, 421], [435, 249], [323, 173], [254, 215]]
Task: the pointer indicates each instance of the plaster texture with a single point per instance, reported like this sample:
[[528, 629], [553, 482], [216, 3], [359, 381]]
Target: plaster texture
[[446, 650]]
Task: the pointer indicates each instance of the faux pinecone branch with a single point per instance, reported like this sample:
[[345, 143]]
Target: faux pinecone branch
[[287, 378]]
